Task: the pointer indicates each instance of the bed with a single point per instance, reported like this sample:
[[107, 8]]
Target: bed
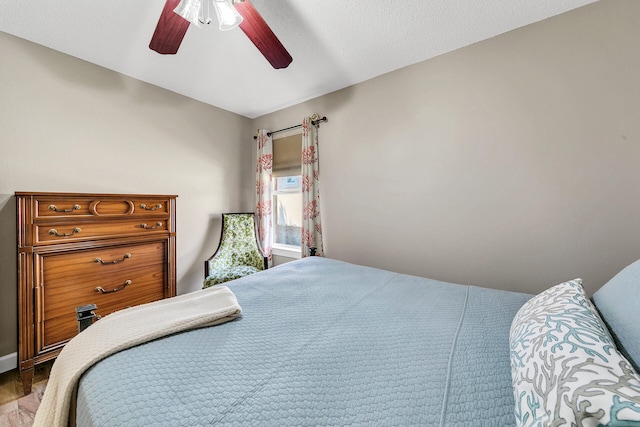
[[324, 342]]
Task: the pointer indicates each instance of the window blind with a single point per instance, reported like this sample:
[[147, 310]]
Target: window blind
[[287, 153]]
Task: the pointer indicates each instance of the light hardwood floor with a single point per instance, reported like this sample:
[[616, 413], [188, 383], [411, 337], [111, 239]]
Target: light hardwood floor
[[15, 408]]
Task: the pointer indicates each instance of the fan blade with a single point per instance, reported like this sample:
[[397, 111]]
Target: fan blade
[[261, 35], [170, 30]]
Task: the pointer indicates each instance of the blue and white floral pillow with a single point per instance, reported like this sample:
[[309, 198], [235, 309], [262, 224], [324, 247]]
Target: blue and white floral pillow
[[565, 367]]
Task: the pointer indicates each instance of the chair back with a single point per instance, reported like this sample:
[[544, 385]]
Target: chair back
[[238, 245]]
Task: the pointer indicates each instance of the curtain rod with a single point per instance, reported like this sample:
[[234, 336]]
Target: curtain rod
[[313, 122]]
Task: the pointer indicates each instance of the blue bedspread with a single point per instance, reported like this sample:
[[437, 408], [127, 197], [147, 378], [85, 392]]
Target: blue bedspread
[[322, 342]]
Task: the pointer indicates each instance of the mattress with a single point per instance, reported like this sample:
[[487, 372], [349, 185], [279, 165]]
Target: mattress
[[321, 342]]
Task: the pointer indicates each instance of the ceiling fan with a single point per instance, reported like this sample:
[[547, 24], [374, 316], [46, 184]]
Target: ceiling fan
[[177, 15]]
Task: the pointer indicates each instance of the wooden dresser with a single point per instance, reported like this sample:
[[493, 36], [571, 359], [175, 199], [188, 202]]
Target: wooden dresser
[[112, 250]]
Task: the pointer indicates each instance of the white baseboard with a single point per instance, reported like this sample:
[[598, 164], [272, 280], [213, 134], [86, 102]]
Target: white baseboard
[[8, 362]]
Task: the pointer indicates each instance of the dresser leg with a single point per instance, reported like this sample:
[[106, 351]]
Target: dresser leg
[[27, 380]]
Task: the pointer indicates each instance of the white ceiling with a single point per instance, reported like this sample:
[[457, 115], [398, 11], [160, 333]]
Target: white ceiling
[[334, 43]]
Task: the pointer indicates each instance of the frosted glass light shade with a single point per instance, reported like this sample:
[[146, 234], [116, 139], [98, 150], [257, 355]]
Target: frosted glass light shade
[[228, 16], [189, 10]]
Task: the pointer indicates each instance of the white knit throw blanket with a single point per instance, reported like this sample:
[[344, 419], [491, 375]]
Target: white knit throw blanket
[[124, 329]]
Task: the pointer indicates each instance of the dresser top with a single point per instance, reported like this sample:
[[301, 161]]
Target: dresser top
[[62, 194]]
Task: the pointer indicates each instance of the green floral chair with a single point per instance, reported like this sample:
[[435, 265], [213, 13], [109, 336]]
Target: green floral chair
[[239, 253]]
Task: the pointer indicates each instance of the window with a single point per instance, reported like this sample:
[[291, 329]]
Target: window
[[287, 214], [287, 192]]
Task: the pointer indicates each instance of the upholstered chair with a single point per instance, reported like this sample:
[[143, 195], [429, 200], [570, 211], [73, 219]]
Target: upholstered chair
[[239, 253]]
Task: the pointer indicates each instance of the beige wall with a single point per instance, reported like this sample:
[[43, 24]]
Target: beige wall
[[513, 163], [67, 125]]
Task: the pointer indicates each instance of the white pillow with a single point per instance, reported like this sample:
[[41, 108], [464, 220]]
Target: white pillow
[[566, 370]]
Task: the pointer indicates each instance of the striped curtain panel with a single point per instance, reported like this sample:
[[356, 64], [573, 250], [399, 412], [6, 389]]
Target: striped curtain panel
[[264, 212], [311, 225]]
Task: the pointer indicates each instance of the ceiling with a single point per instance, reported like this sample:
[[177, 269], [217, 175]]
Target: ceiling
[[334, 43]]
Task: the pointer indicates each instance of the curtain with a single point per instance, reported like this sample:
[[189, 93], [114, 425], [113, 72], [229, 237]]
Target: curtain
[[264, 213], [311, 225]]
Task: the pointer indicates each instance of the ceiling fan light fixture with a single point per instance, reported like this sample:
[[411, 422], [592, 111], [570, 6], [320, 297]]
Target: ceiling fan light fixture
[[228, 16]]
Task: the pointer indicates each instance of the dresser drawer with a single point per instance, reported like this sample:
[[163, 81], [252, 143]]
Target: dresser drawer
[[143, 207], [59, 268], [53, 233], [48, 207], [132, 287], [116, 289], [78, 206]]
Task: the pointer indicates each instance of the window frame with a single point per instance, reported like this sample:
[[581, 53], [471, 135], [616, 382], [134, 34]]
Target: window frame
[[282, 249]]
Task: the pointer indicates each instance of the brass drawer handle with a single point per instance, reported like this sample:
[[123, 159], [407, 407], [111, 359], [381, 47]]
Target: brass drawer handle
[[73, 208], [156, 207], [103, 291], [146, 227], [115, 261], [55, 232]]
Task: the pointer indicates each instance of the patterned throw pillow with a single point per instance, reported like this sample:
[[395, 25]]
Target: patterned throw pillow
[[565, 367]]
